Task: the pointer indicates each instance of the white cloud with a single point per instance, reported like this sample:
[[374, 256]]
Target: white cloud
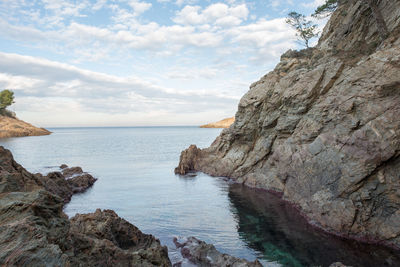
[[139, 7], [99, 4], [185, 2], [40, 84], [197, 58], [262, 32], [219, 14], [313, 4]]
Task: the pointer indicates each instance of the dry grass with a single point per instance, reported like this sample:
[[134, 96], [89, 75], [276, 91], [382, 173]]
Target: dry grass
[[11, 127], [225, 123]]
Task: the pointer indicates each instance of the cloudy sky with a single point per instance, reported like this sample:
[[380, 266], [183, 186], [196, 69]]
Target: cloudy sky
[[138, 62]]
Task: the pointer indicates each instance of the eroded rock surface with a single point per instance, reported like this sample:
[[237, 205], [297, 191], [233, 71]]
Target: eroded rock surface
[[34, 231], [323, 129], [206, 255], [104, 239]]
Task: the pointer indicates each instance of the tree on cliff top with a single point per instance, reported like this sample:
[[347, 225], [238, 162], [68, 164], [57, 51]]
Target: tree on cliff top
[[305, 29], [326, 9], [6, 98]]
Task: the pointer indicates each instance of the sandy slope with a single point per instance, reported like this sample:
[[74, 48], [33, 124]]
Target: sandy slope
[[12, 127], [225, 123]]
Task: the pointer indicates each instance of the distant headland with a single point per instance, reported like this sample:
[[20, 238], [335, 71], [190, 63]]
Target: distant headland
[[225, 123], [13, 127], [10, 125]]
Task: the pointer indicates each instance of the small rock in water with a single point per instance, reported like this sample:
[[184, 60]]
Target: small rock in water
[[63, 166], [68, 172]]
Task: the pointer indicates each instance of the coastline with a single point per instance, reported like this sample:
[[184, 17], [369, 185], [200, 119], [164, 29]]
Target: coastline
[[321, 130]]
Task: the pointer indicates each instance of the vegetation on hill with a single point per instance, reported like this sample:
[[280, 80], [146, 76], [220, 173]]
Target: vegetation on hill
[[6, 99], [304, 28]]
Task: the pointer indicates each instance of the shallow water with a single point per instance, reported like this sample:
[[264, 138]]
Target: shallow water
[[134, 167]]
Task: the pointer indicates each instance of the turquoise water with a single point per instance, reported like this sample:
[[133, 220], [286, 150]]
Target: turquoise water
[[134, 167]]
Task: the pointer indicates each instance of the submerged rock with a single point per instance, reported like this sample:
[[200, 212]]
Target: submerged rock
[[206, 255], [34, 231], [323, 129]]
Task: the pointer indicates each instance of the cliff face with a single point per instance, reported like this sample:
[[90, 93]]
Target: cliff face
[[13, 127], [34, 231], [323, 129]]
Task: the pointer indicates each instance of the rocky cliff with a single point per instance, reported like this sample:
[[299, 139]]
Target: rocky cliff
[[13, 127], [323, 128], [34, 231]]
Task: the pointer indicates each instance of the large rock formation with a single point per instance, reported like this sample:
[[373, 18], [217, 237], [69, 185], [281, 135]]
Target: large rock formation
[[323, 129], [13, 127], [34, 231]]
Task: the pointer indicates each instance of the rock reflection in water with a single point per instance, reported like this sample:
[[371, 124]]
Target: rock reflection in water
[[274, 228]]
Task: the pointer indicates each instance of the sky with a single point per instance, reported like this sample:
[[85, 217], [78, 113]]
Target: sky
[[138, 62]]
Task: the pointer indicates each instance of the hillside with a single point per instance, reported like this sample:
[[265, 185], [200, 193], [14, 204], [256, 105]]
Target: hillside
[[225, 123], [13, 127]]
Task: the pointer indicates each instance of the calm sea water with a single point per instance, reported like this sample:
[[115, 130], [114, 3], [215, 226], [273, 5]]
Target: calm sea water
[[134, 167]]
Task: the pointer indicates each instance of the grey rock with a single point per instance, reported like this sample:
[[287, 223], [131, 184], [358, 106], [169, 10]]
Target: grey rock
[[13, 177], [34, 231], [323, 129], [206, 255]]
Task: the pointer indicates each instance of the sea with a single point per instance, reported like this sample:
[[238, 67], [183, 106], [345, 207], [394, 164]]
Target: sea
[[135, 171]]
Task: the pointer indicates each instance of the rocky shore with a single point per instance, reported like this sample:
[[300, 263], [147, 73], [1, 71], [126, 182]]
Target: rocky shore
[[13, 127], [323, 130], [34, 231]]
